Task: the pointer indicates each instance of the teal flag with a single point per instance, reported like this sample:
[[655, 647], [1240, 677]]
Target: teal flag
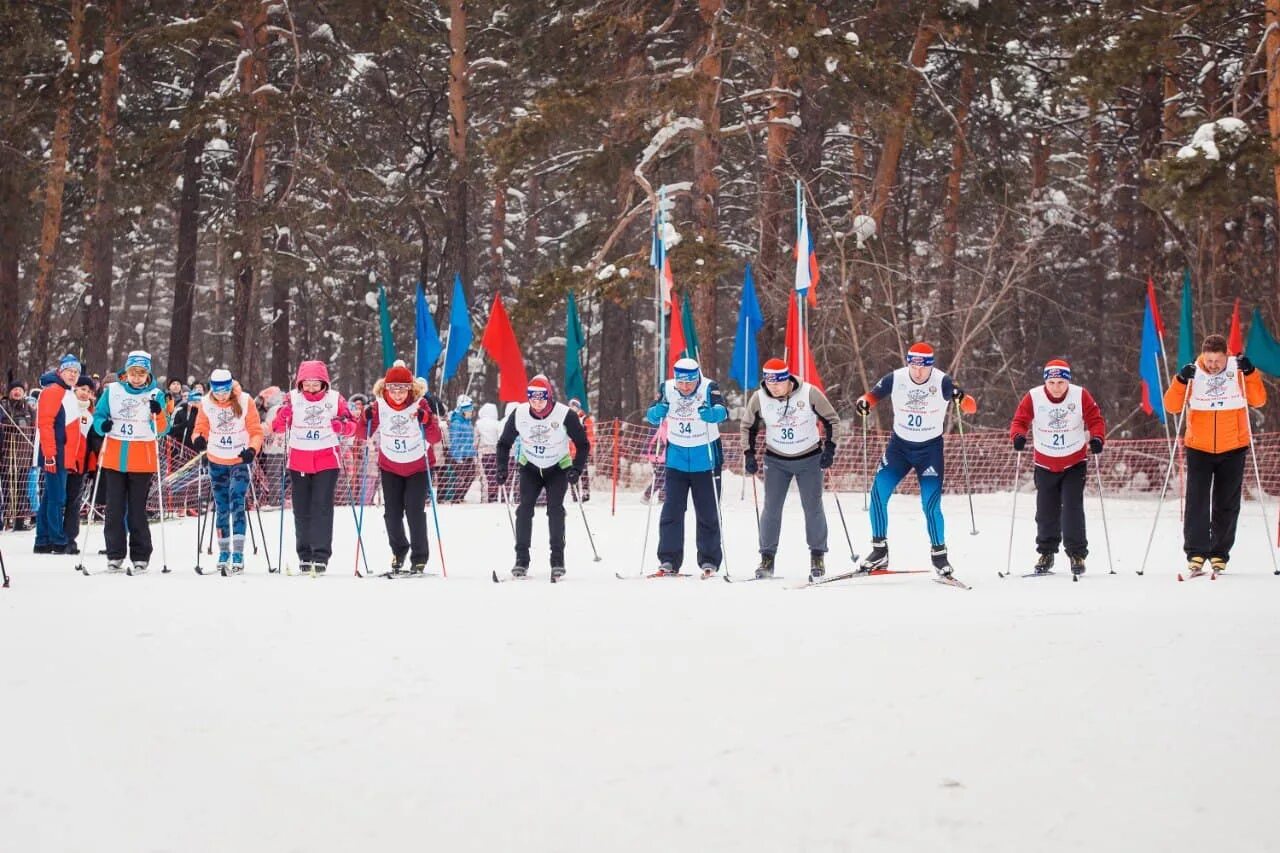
[[575, 384], [690, 328], [1262, 349], [1186, 326], [384, 318]]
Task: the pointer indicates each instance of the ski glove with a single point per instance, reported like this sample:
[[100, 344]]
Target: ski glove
[[712, 414], [501, 474], [156, 408], [862, 407], [1095, 445], [1187, 373], [51, 466], [340, 426], [200, 443], [1019, 443], [828, 455], [749, 463], [107, 424], [956, 393], [574, 474], [247, 455], [1245, 365], [657, 412]]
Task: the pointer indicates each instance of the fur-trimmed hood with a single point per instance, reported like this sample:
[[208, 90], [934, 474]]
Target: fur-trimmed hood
[[416, 393]]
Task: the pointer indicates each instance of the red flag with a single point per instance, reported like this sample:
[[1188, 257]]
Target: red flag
[[793, 345], [1235, 340], [1155, 310], [500, 342], [676, 346], [667, 283]]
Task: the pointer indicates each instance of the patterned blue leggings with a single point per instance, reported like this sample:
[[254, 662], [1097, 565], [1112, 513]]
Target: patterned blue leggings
[[230, 484]]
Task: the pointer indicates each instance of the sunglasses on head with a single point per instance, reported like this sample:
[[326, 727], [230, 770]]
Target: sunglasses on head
[[396, 386], [920, 360], [539, 394]]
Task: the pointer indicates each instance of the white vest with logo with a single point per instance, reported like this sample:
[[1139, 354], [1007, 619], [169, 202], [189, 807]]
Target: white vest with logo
[[312, 427], [685, 428], [1216, 392], [791, 424], [919, 411], [543, 441], [228, 434], [1057, 429], [399, 433], [131, 416]]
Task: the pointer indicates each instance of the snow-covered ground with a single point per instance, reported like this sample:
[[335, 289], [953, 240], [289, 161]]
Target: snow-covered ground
[[266, 713]]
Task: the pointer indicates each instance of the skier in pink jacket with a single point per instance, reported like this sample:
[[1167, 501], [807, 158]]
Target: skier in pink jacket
[[316, 418]]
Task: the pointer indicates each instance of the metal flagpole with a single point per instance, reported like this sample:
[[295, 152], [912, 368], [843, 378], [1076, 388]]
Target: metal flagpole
[[802, 336], [661, 246]]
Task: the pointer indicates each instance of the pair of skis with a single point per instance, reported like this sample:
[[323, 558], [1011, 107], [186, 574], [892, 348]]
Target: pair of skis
[[510, 578], [945, 580]]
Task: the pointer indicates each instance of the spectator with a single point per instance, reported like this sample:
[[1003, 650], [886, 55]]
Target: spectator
[[488, 431], [58, 452], [462, 450], [18, 421], [88, 463], [184, 420]]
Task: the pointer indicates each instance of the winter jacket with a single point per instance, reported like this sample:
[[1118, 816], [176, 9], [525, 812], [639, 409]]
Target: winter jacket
[[462, 437], [579, 447], [1216, 431], [58, 425], [423, 415], [182, 427], [696, 458], [252, 424], [488, 430], [130, 457], [1026, 413], [326, 459], [753, 420]]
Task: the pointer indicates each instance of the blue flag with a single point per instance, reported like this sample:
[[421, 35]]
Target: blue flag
[[745, 366], [459, 330], [426, 338], [1149, 365]]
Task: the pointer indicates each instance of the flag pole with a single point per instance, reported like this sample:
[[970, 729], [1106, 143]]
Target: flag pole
[[661, 246], [803, 332]]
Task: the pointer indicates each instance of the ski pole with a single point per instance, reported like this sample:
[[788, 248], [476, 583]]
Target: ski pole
[[4, 571], [93, 502], [164, 548], [1168, 472], [577, 499], [755, 499], [435, 512], [964, 455], [1257, 475], [847, 538], [248, 522], [648, 515], [257, 508], [1013, 515], [1097, 467], [715, 489], [203, 518], [505, 496], [205, 524], [866, 470], [359, 519], [284, 484]]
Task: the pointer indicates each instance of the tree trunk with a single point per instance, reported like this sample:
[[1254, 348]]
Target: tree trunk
[[281, 283], [951, 203], [896, 133], [51, 224], [457, 191], [706, 184], [498, 239], [1150, 108], [1097, 270], [775, 198], [251, 183], [184, 279], [1273, 103]]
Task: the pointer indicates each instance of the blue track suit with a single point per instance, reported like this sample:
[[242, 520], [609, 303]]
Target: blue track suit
[[230, 484], [691, 470], [902, 456]]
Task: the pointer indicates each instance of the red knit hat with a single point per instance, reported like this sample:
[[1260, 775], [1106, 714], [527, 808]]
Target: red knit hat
[[540, 385], [398, 374], [1057, 368], [921, 354], [776, 370]]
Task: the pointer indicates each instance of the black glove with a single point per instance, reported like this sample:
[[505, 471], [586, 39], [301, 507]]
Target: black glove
[[156, 408], [107, 424], [247, 455], [956, 393], [501, 473], [828, 455], [749, 463], [1019, 443], [574, 474], [200, 443], [1245, 365], [862, 407], [1187, 373], [1095, 445]]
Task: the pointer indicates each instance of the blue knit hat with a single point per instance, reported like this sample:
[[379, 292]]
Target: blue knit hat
[[68, 362], [138, 358], [220, 381]]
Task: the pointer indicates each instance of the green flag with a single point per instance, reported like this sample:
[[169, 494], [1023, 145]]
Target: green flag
[[690, 328], [384, 318], [1186, 326], [1262, 349], [575, 385]]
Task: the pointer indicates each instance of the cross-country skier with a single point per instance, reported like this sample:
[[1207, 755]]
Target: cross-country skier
[[545, 429], [316, 417], [920, 395], [400, 414], [228, 427], [1218, 389], [1065, 426], [800, 443], [131, 415], [692, 408], [58, 445]]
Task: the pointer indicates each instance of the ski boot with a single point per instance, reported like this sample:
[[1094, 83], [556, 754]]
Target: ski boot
[[138, 568], [817, 566], [397, 563], [708, 570], [418, 567], [1195, 566], [318, 568], [115, 566], [1077, 565], [1218, 564], [1044, 565], [765, 569], [877, 559], [519, 570], [938, 556], [557, 572], [668, 569], [237, 563], [224, 562]]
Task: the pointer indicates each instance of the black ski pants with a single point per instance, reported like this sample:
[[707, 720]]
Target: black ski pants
[[1214, 482], [533, 480], [405, 499], [313, 514], [127, 502], [1060, 510]]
